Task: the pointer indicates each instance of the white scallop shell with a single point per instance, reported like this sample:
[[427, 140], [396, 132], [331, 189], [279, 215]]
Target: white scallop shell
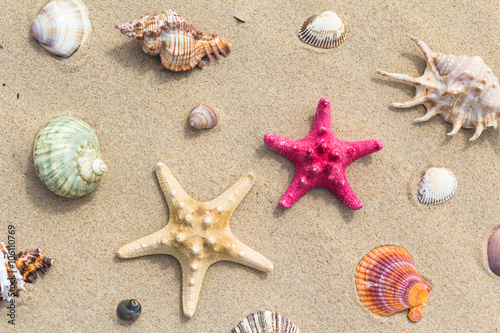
[[461, 89], [326, 30], [62, 27], [436, 186], [265, 322]]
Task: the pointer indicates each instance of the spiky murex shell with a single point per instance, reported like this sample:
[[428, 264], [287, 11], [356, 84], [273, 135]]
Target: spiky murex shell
[[461, 89], [64, 153]]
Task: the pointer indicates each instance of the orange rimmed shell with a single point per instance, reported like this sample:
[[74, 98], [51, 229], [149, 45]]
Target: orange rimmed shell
[[180, 46], [388, 282]]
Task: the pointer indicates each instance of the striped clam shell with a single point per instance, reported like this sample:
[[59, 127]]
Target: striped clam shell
[[62, 27], [265, 322], [388, 282], [326, 30], [180, 46], [436, 186], [67, 157]]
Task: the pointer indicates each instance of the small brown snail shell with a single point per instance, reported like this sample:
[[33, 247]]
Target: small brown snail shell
[[203, 116]]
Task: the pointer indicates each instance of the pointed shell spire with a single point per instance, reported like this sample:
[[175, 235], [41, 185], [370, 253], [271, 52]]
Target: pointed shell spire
[[62, 27]]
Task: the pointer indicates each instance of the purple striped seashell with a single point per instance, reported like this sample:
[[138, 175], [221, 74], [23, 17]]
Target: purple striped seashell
[[494, 252], [388, 282]]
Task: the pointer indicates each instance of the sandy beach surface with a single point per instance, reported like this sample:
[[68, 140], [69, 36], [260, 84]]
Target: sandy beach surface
[[270, 82]]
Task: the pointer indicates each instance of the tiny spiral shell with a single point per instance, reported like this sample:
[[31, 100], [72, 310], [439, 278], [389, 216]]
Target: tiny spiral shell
[[203, 117], [67, 157]]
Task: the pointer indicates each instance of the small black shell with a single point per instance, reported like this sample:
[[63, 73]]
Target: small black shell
[[129, 309]]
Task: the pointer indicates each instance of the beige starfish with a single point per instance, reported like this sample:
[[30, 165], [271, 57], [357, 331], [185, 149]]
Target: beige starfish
[[197, 235]]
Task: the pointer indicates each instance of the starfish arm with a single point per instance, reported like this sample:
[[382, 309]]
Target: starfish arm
[[244, 255], [359, 149], [191, 286], [285, 146], [294, 192], [228, 201], [346, 195], [323, 118], [151, 244], [171, 188]]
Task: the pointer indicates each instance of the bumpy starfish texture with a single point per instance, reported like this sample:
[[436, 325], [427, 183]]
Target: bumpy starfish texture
[[197, 235], [321, 159]]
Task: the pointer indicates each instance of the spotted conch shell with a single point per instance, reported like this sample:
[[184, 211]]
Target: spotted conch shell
[[179, 45], [388, 282], [461, 89]]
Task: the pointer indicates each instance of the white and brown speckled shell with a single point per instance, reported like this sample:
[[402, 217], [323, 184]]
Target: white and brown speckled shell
[[461, 89], [265, 322], [180, 46]]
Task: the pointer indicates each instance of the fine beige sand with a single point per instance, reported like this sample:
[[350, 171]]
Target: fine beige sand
[[270, 82]]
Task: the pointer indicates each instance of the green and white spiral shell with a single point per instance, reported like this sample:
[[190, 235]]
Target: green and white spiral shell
[[67, 157]]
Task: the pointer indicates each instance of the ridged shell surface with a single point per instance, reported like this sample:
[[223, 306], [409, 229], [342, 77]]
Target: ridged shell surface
[[461, 89], [388, 282], [67, 157], [326, 30], [203, 117], [265, 322], [436, 186], [62, 27], [180, 46], [494, 252]]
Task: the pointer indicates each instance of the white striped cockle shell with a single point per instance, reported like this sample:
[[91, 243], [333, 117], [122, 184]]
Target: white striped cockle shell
[[461, 89], [203, 117], [180, 45], [494, 252], [67, 157], [265, 322], [326, 30], [436, 186], [62, 27]]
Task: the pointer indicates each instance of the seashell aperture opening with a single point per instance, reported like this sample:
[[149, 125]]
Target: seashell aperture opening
[[62, 27], [436, 186], [67, 157], [388, 282], [326, 30], [461, 89], [203, 117]]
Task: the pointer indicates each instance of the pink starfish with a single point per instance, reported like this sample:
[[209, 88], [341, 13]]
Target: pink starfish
[[321, 159]]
